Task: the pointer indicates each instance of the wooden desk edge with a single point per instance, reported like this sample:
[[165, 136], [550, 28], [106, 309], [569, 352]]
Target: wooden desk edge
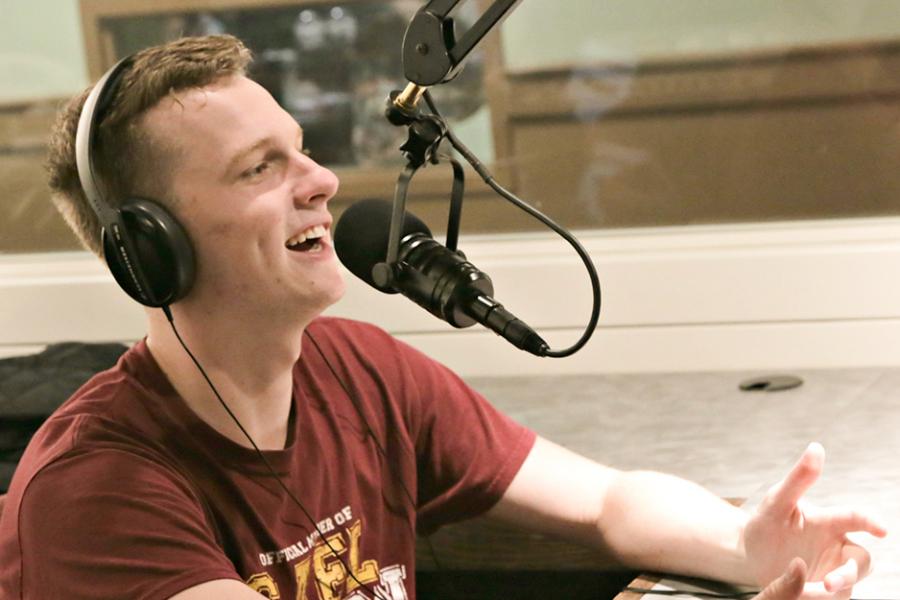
[[647, 581]]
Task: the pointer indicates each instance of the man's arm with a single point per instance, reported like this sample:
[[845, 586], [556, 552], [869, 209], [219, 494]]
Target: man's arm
[[641, 519], [662, 523]]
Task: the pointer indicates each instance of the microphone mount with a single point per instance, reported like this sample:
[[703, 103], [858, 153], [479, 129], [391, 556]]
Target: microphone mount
[[425, 134], [431, 56]]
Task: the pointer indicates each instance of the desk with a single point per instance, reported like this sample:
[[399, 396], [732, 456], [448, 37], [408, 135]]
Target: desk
[[700, 426]]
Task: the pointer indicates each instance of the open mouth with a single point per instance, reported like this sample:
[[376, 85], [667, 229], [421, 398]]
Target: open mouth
[[308, 240]]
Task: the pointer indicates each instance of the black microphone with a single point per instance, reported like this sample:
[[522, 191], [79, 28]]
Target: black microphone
[[439, 280]]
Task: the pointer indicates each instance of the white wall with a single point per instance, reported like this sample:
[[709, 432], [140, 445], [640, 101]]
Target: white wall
[[730, 297]]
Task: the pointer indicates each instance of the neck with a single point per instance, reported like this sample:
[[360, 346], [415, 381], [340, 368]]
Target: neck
[[250, 363]]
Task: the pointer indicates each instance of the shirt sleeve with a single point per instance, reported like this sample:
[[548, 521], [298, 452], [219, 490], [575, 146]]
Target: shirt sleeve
[[467, 452], [109, 523]]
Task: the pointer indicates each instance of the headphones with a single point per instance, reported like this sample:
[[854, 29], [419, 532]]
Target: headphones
[[145, 247]]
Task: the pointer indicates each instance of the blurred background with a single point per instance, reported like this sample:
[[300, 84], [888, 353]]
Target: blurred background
[[607, 115], [731, 167]]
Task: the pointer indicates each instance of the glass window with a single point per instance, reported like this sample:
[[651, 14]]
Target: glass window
[[613, 114]]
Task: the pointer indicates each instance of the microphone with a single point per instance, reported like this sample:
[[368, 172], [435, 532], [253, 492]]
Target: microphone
[[436, 278]]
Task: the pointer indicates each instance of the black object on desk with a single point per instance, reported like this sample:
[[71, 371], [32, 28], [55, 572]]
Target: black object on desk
[[771, 383]]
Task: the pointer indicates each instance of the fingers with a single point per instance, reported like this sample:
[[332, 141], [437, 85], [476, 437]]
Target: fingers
[[787, 587], [844, 576], [845, 520], [862, 564], [817, 591], [838, 583], [783, 497]]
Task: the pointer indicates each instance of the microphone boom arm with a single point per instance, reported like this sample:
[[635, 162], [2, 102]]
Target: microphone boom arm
[[431, 52]]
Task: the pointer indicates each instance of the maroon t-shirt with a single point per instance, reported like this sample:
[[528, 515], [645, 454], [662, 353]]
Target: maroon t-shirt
[[126, 493]]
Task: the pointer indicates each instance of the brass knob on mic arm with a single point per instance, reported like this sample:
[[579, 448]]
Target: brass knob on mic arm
[[409, 98]]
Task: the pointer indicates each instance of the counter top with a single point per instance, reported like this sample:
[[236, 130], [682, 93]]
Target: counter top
[[702, 427]]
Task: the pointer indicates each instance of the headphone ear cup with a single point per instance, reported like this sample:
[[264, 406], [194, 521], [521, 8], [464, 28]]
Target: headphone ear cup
[[164, 254]]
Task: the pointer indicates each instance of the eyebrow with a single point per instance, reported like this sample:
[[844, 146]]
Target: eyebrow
[[242, 154], [260, 143]]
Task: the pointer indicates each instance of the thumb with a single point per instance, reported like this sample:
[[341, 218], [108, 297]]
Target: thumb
[[787, 587]]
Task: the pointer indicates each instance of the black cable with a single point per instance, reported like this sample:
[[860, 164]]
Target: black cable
[[378, 445], [437, 563], [699, 594], [558, 229], [365, 421], [265, 461], [702, 594]]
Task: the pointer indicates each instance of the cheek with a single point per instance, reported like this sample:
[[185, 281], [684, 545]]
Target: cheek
[[235, 251], [231, 234], [242, 230]]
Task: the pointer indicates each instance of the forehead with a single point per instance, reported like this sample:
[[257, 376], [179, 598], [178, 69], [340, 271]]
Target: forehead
[[220, 118]]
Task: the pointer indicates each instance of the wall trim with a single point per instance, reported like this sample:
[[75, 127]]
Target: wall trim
[[734, 297]]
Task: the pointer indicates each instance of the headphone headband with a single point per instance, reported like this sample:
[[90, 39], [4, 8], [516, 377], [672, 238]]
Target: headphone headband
[[145, 247], [95, 105]]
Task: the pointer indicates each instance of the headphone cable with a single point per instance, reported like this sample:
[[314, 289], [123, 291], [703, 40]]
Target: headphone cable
[[265, 461], [377, 443]]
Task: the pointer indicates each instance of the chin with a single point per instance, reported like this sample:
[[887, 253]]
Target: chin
[[329, 293], [336, 292]]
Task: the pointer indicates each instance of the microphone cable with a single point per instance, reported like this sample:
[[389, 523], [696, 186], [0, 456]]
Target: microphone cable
[[488, 178], [268, 465]]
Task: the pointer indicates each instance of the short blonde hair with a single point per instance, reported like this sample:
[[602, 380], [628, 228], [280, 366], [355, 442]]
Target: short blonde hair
[[128, 159]]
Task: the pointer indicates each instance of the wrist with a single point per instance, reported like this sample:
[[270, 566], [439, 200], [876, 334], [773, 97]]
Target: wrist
[[744, 573]]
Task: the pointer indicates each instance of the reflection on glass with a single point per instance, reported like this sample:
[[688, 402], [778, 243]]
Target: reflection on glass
[[330, 65]]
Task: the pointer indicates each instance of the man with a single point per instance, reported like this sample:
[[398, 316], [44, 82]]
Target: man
[[143, 486]]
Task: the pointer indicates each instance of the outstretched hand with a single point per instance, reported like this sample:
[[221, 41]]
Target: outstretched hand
[[799, 551]]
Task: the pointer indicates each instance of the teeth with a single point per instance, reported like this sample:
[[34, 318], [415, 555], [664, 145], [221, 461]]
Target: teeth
[[315, 231]]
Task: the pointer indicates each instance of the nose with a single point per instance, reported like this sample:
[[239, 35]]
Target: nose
[[313, 183]]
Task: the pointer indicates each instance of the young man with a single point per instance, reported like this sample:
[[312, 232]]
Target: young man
[[143, 486]]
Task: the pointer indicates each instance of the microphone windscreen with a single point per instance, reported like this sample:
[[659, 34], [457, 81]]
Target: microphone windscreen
[[362, 232]]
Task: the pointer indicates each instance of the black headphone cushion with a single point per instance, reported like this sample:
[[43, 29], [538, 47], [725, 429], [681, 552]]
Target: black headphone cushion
[[164, 251]]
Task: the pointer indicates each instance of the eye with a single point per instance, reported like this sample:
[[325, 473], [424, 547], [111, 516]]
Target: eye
[[257, 170]]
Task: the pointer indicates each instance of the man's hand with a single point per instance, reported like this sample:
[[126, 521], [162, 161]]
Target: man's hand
[[786, 528], [787, 587]]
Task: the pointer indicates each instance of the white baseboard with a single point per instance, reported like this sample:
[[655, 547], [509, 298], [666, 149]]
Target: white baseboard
[[761, 296]]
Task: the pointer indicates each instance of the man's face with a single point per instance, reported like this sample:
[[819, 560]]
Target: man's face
[[249, 196]]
